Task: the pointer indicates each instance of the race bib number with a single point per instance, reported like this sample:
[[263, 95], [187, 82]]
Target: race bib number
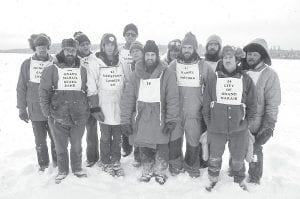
[[229, 91], [188, 75], [69, 79], [36, 69], [111, 78], [149, 90]]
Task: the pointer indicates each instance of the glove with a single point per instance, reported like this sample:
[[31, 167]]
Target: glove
[[126, 129], [23, 115], [97, 114], [169, 127], [263, 136]]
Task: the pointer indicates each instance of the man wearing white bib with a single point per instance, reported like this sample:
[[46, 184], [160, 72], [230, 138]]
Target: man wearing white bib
[[107, 82], [268, 99], [192, 75], [130, 33], [150, 104], [64, 101], [86, 59], [229, 106], [28, 97]]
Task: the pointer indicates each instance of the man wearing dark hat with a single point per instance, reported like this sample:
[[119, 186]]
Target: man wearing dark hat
[[64, 101], [150, 104], [28, 97], [192, 75], [86, 59], [268, 100], [173, 51], [130, 33]]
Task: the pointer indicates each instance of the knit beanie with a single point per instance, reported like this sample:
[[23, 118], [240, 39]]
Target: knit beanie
[[215, 38], [80, 37], [69, 43], [175, 45], [151, 46], [136, 45], [132, 27], [190, 39]]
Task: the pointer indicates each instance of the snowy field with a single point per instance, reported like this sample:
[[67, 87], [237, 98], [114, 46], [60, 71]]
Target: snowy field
[[19, 178]]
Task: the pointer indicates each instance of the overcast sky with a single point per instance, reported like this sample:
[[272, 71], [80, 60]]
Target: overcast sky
[[236, 21]]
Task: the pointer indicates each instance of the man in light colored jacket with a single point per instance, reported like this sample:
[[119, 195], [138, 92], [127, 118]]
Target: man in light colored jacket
[[268, 100]]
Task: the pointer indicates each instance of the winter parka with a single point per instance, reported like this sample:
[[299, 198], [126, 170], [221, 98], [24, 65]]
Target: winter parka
[[226, 118], [148, 119], [68, 107], [191, 98], [28, 90], [268, 97]]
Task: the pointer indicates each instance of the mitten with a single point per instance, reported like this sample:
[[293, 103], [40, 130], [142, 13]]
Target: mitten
[[23, 115], [263, 136], [169, 127], [97, 114], [126, 129]]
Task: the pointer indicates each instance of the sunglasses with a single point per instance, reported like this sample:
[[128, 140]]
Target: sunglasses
[[128, 34]]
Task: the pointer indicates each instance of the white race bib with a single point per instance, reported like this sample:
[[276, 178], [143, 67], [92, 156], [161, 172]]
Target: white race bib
[[69, 79], [229, 91], [36, 69], [111, 78], [188, 75], [125, 56], [149, 90]]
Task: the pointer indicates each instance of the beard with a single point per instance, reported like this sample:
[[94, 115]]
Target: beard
[[253, 63]]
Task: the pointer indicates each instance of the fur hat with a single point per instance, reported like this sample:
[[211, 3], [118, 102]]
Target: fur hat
[[80, 37], [175, 45], [130, 26], [151, 46], [69, 43], [259, 45], [136, 45], [215, 38], [39, 40], [190, 39]]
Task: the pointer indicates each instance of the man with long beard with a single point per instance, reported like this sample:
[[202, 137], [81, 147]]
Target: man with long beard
[[192, 75]]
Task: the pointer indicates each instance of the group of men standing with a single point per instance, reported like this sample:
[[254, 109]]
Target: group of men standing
[[147, 104]]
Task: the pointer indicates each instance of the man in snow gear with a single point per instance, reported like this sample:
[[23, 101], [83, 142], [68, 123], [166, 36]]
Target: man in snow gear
[[173, 51], [64, 101], [86, 58], [229, 106], [213, 51], [106, 87], [267, 83], [192, 75], [130, 34], [150, 104], [28, 97]]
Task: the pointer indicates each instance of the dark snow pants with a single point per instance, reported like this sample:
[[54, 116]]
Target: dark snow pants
[[237, 144], [92, 148], [155, 160], [40, 130], [110, 143], [62, 134], [256, 168], [175, 156]]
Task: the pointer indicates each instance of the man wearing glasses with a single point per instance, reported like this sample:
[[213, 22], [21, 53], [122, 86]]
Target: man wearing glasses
[[130, 34]]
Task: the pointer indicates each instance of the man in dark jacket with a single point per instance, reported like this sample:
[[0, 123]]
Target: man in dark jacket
[[229, 106], [28, 97], [64, 101]]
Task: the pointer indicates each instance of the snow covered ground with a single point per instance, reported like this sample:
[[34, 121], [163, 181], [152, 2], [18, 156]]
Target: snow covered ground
[[18, 165]]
